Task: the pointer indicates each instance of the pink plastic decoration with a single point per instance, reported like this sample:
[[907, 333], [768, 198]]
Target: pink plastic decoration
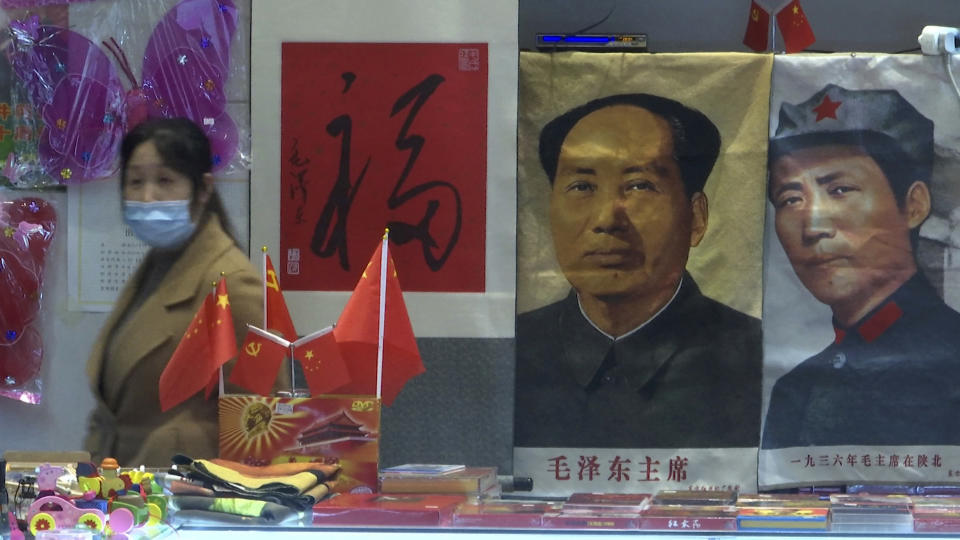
[[84, 106], [26, 229]]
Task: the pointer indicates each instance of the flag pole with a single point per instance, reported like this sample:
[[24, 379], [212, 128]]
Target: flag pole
[[773, 36], [220, 386], [384, 249], [263, 278]]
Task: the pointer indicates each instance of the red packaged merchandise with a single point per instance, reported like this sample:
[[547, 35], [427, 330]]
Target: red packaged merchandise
[[936, 519], [605, 502], [689, 518], [592, 521], [377, 509], [500, 514], [336, 430]]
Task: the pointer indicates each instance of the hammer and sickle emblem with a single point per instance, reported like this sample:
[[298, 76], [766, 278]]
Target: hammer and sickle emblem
[[272, 280], [755, 14], [253, 349]]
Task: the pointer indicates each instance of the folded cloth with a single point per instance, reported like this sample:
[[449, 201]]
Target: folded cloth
[[290, 484], [270, 512], [299, 491], [178, 487], [319, 491], [276, 469]]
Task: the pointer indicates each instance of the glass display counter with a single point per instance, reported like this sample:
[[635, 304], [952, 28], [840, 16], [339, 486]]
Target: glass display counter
[[194, 533]]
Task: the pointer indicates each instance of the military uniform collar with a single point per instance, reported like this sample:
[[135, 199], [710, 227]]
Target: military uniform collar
[[914, 295], [641, 352]]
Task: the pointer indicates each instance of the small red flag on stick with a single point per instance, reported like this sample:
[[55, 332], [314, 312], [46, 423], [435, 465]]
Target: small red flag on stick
[[758, 28], [259, 361], [323, 366], [208, 343], [796, 30], [374, 332]]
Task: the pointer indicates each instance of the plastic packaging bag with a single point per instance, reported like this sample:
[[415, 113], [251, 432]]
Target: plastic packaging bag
[[27, 226], [119, 63]]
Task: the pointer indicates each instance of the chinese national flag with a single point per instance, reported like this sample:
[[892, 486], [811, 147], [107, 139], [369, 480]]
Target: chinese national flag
[[208, 343], [796, 30], [259, 361], [323, 367], [357, 329], [278, 318], [758, 28]]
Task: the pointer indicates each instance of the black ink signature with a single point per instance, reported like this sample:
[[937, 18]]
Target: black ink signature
[[300, 179]]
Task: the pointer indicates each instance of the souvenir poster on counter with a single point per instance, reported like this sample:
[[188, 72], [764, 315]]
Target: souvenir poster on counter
[[862, 290], [383, 135], [640, 223]]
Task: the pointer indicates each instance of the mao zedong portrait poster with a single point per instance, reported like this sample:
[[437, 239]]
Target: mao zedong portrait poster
[[625, 190], [851, 187]]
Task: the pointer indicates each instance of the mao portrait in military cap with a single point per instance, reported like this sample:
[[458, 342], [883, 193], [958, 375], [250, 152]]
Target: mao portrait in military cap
[[849, 181]]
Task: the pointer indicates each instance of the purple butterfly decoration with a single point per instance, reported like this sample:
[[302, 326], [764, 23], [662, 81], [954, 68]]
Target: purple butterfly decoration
[[84, 106]]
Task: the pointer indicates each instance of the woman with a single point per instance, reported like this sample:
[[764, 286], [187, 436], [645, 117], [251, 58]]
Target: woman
[[170, 203]]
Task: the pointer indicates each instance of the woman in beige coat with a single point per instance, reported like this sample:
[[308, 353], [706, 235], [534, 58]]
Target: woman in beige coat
[[170, 203]]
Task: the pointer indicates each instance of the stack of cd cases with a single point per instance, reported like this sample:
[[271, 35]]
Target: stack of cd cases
[[862, 513]]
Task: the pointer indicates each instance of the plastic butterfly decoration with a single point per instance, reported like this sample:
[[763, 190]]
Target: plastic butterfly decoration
[[26, 230], [86, 111]]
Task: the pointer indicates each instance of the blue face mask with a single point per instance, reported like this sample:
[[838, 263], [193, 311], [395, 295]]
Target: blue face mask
[[160, 224]]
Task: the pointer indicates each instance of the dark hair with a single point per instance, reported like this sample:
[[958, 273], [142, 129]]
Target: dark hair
[[185, 148], [899, 167], [696, 140]]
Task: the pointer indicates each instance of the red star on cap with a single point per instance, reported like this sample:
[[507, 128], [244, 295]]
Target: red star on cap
[[827, 108]]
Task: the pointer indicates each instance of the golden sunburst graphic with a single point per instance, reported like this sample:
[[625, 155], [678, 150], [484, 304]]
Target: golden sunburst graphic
[[250, 425]]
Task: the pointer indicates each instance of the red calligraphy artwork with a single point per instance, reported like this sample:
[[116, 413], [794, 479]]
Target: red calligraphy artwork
[[383, 135]]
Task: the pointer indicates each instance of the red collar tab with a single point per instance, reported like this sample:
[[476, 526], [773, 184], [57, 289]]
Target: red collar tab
[[877, 324], [840, 334]]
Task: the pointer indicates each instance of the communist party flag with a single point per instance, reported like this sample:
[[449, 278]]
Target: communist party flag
[[259, 361], [796, 30], [278, 317], [323, 366], [758, 28], [357, 332], [208, 343]]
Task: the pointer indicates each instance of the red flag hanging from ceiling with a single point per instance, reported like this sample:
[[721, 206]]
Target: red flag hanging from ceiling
[[357, 333], [208, 343], [323, 365], [259, 361], [796, 30], [278, 317], [758, 28]]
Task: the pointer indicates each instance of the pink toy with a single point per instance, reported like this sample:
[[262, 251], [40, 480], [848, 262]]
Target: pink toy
[[15, 533], [52, 512], [47, 477]]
